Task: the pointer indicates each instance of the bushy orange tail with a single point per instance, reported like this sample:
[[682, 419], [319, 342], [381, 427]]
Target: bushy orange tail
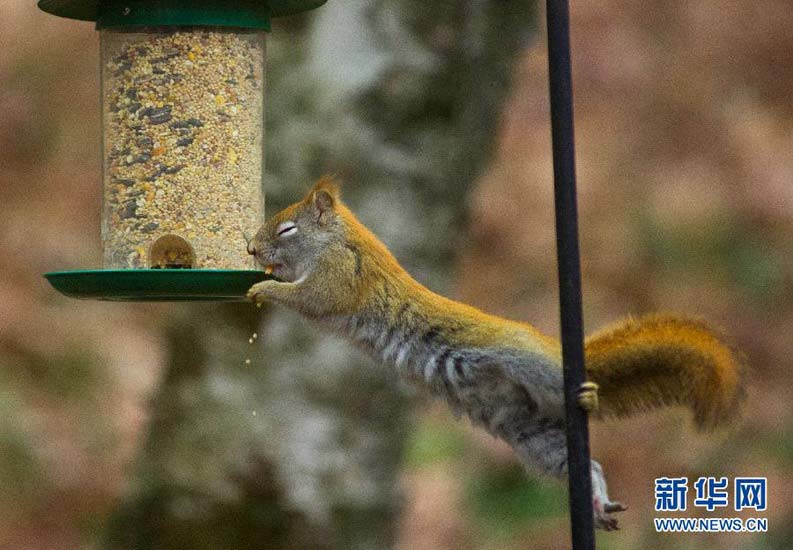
[[642, 364]]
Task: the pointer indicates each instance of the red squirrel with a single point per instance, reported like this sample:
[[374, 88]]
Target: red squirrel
[[504, 375]]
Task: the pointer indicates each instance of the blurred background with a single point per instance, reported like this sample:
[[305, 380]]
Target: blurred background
[[142, 426]]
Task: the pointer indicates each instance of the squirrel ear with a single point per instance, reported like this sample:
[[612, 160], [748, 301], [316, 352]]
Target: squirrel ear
[[323, 197], [327, 184], [322, 201]]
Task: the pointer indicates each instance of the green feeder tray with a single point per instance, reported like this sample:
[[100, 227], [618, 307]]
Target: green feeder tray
[[156, 285], [237, 13]]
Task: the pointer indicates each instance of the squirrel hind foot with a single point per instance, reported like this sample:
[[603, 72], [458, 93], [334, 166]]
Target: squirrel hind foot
[[588, 397], [603, 518]]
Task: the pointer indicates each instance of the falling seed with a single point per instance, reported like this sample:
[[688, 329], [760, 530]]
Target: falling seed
[[253, 413], [255, 336], [247, 361], [258, 304]]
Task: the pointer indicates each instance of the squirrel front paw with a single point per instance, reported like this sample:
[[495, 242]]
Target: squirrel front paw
[[258, 292], [588, 396], [277, 292]]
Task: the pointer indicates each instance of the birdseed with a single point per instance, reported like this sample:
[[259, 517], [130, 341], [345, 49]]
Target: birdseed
[[183, 157]]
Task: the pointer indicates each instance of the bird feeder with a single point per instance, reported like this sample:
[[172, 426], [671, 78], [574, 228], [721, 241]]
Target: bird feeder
[[182, 99]]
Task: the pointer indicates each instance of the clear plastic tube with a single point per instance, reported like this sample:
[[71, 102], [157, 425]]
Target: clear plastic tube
[[183, 137]]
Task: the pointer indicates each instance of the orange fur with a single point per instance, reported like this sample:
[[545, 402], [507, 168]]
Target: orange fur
[[474, 327], [665, 360]]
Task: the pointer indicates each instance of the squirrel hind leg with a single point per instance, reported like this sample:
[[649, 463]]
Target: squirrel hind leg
[[601, 505], [541, 444]]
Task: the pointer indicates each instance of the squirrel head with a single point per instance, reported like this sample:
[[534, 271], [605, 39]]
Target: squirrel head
[[289, 244]]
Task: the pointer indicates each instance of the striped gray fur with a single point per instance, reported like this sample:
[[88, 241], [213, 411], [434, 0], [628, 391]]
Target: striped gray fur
[[514, 394]]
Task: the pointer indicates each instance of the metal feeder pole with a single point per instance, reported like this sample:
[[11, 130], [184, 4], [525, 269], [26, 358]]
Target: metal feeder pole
[[579, 475]]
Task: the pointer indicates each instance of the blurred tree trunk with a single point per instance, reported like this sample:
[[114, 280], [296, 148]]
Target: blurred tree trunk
[[301, 449]]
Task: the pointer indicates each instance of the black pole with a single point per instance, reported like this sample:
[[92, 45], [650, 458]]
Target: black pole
[[580, 478]]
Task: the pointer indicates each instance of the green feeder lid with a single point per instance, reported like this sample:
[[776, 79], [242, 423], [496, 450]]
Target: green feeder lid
[[156, 285], [253, 14]]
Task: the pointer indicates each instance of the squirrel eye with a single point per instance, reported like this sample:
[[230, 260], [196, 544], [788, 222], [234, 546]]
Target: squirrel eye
[[286, 229]]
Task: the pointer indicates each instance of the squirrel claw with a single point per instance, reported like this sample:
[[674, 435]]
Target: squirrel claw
[[255, 294], [607, 523], [588, 396], [614, 507], [603, 518]]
